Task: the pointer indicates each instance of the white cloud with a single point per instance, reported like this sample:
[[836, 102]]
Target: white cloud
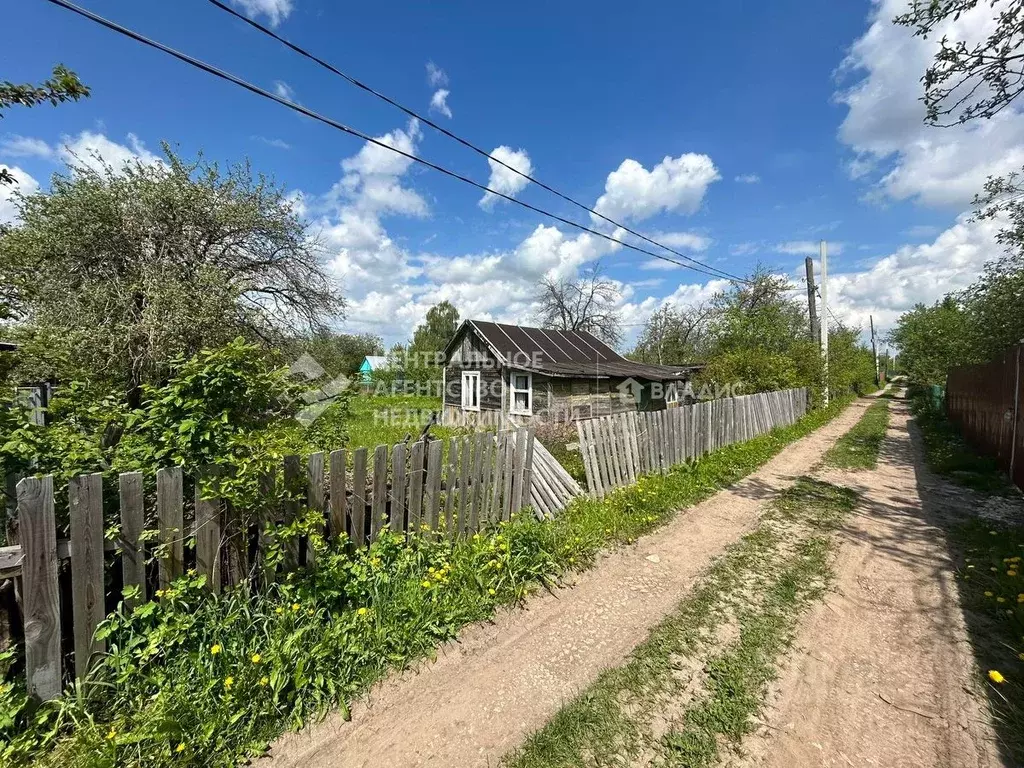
[[276, 11], [436, 76], [807, 248], [502, 179], [676, 184], [26, 186], [270, 142], [24, 146], [439, 102], [284, 91], [94, 150], [748, 178], [689, 240], [915, 273], [919, 231], [885, 123], [744, 249]]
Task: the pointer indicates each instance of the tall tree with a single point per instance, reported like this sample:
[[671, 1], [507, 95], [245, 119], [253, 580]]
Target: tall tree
[[970, 79], [433, 334], [63, 85], [932, 339], [338, 353], [114, 272], [587, 303], [675, 335]]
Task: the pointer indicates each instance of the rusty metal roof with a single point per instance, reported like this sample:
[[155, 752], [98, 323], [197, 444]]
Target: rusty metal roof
[[566, 354]]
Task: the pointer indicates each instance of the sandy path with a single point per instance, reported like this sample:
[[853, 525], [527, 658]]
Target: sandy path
[[884, 675], [503, 680]]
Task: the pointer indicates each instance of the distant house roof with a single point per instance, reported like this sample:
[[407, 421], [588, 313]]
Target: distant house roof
[[562, 353], [374, 362]]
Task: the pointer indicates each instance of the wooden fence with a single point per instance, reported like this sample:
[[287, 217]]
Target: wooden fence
[[416, 488], [985, 401], [618, 448]]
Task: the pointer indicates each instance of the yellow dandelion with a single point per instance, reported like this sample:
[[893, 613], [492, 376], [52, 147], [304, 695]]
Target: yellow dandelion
[[1011, 573], [180, 747], [229, 681], [491, 592], [264, 681], [256, 658], [996, 677], [279, 611], [425, 584], [987, 593], [160, 593], [111, 735], [295, 607], [363, 611], [215, 649], [1000, 599]]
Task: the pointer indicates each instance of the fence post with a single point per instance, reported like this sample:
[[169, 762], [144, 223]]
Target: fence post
[[133, 562], [41, 601], [169, 511], [208, 526], [85, 504]]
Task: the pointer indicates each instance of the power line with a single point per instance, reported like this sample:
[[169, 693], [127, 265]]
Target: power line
[[210, 69], [469, 145]]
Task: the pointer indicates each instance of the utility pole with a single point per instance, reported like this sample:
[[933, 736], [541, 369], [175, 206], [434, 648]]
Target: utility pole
[[812, 302], [823, 250], [874, 349]]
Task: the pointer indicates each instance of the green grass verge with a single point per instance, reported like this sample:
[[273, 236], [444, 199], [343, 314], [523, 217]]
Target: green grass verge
[[858, 448], [948, 454], [201, 680], [711, 687], [387, 419], [991, 575]]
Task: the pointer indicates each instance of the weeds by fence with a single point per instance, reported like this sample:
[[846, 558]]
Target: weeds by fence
[[416, 489], [618, 448]]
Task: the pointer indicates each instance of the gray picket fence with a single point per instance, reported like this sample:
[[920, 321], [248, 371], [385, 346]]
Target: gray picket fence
[[418, 489], [619, 448]]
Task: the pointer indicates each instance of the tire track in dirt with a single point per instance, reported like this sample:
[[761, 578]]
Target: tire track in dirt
[[502, 680], [883, 674]]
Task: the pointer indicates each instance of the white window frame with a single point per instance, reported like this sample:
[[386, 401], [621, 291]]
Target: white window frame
[[512, 390], [469, 376]]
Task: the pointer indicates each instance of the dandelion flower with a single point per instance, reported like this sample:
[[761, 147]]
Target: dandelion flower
[[215, 649], [180, 747], [295, 607], [987, 593], [491, 592], [363, 611], [229, 681], [264, 681], [996, 677], [1011, 573], [1000, 599], [425, 584], [112, 735], [256, 658], [279, 611]]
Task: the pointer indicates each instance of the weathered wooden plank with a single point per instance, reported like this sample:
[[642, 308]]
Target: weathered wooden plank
[[498, 479], [208, 531], [85, 507], [169, 500], [40, 598], [133, 560], [451, 479], [476, 482], [509, 475], [432, 493], [529, 464], [465, 466], [520, 471], [485, 488], [588, 468], [416, 481], [339, 502], [357, 508], [608, 430], [316, 499], [379, 503], [627, 448], [398, 482]]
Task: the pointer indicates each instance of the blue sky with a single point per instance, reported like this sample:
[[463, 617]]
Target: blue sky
[[742, 132]]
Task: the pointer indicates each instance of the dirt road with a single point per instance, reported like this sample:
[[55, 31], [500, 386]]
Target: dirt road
[[883, 674], [503, 680]]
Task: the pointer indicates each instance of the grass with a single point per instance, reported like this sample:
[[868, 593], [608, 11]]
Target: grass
[[948, 454], [684, 692], [990, 568], [163, 697], [388, 419], [858, 448]]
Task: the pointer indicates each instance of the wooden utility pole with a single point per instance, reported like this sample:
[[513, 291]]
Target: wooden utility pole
[[812, 302], [823, 250], [874, 349]]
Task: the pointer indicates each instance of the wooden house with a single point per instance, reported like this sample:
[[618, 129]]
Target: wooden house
[[494, 373]]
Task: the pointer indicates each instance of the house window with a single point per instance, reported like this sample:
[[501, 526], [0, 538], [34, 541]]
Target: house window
[[471, 390], [522, 394]]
